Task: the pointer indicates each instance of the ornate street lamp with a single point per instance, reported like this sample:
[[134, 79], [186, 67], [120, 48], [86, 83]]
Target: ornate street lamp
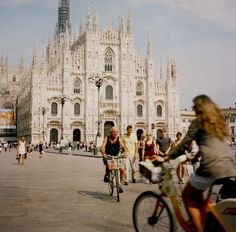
[[43, 113], [62, 99], [98, 80]]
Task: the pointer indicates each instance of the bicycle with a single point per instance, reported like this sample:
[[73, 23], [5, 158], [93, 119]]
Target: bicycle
[[161, 212], [114, 163]]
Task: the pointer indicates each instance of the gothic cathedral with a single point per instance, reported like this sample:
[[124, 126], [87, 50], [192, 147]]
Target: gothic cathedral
[[84, 83]]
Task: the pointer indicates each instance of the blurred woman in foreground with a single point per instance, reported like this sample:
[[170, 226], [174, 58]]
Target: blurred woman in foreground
[[209, 132]]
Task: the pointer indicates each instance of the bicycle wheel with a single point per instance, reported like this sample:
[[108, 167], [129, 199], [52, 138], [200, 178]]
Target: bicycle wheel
[[151, 213], [111, 183], [117, 184]]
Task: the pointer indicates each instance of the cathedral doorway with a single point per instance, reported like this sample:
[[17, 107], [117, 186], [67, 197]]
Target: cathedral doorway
[[139, 133], [76, 135], [107, 126], [53, 135]]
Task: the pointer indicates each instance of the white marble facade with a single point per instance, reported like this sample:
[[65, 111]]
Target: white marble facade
[[131, 93]]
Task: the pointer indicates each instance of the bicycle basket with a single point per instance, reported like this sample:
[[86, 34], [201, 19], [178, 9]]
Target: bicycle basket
[[111, 164], [151, 172]]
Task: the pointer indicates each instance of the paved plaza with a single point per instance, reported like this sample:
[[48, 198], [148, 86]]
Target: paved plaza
[[61, 193]]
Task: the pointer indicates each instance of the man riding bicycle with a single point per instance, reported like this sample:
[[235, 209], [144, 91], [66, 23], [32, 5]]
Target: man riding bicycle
[[112, 145]]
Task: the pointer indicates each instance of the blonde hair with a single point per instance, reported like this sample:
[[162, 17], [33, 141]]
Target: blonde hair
[[210, 117]]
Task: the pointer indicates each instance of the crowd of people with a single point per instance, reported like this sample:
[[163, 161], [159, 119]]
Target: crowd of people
[[205, 145]]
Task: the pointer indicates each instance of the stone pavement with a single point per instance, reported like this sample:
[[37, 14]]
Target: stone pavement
[[80, 152], [62, 193]]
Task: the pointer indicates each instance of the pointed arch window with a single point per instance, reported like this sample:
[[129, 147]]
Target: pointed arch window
[[109, 92], [159, 111], [108, 60], [139, 89], [139, 110], [77, 85], [54, 108], [77, 109]]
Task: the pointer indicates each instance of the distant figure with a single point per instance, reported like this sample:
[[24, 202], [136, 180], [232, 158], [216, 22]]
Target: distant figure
[[141, 145], [41, 152], [21, 150], [0, 147], [58, 148], [5, 146]]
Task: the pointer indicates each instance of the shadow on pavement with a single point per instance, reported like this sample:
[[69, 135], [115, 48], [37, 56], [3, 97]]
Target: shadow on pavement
[[98, 195]]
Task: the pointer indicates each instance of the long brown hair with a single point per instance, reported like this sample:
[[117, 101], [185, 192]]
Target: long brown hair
[[210, 117]]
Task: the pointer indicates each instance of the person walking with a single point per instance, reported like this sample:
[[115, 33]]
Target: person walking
[[141, 145], [41, 151], [21, 150], [131, 144]]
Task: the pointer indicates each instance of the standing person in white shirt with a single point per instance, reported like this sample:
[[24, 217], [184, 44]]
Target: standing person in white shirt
[[131, 143], [21, 150]]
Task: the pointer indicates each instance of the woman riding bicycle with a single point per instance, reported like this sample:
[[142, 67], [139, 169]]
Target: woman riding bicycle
[[209, 132]]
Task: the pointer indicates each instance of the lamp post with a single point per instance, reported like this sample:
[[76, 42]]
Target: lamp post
[[43, 113], [98, 80], [62, 99]]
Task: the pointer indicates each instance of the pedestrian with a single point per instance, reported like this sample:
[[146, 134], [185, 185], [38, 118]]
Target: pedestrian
[[0, 147], [150, 150], [21, 150], [131, 143], [58, 148], [5, 146], [141, 145], [180, 169], [30, 150], [41, 151], [163, 143]]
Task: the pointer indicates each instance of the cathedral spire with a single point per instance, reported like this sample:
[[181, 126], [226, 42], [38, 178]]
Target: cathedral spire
[[44, 58], [149, 47], [161, 72], [63, 16], [35, 58], [122, 25], [95, 23], [88, 22], [80, 28], [21, 60], [129, 24]]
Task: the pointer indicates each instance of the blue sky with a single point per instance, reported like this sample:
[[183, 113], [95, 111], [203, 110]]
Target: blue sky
[[200, 34]]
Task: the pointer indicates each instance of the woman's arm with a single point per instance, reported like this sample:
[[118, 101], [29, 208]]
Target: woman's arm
[[184, 144]]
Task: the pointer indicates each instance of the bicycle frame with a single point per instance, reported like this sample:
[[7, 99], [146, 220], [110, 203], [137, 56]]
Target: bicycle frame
[[115, 171], [168, 190]]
